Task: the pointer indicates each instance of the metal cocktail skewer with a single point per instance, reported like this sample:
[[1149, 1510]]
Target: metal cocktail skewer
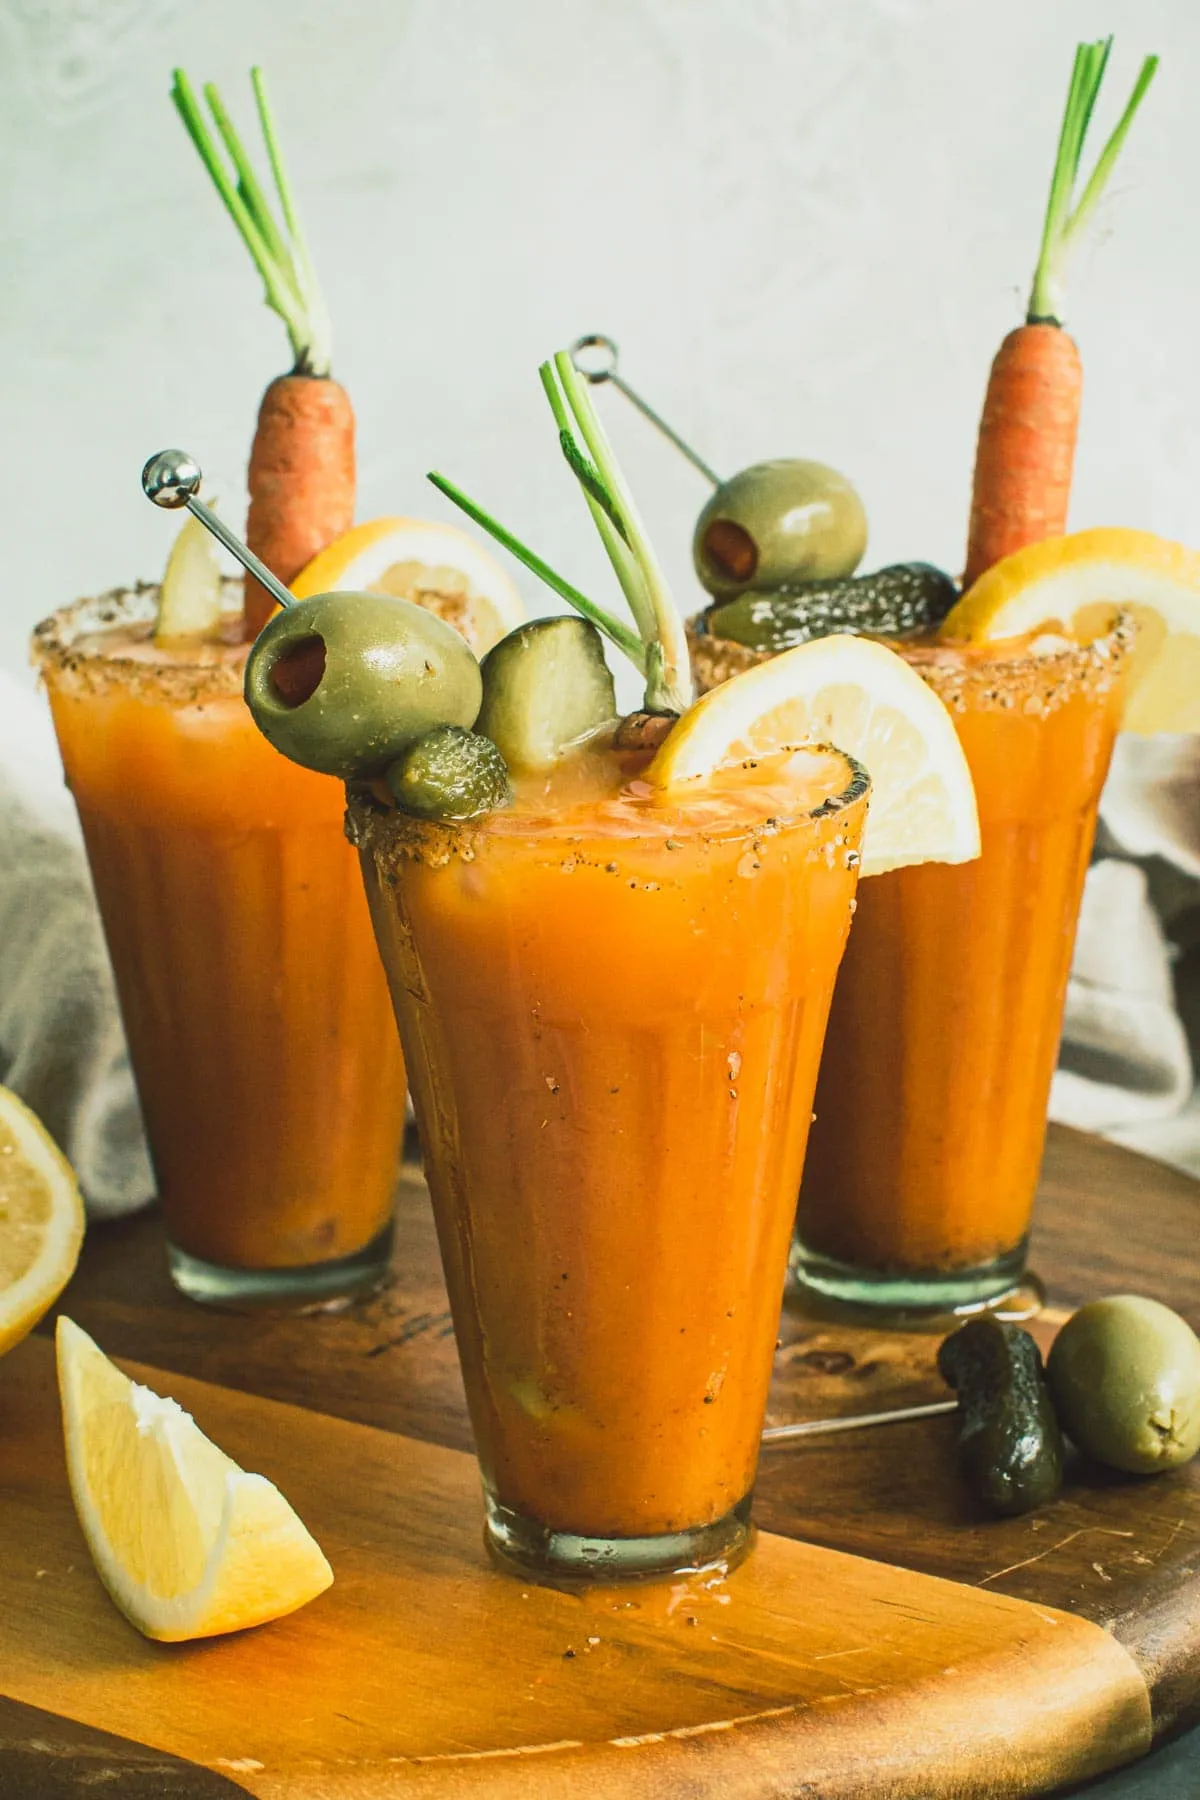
[[779, 1434], [606, 370], [172, 479]]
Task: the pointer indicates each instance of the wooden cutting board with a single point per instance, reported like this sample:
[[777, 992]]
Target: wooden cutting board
[[423, 1671], [904, 1646]]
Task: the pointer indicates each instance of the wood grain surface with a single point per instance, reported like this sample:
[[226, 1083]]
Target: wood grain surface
[[425, 1671], [1121, 1553]]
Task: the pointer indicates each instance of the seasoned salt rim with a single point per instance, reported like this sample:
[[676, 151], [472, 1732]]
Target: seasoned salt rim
[[391, 835], [993, 677], [986, 677], [209, 672]]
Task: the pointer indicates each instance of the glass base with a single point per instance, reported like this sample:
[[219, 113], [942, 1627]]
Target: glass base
[[310, 1284], [561, 1558], [1003, 1287]]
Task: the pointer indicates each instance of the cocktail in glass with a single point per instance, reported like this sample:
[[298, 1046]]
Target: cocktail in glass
[[612, 1003], [943, 1035], [257, 1014]]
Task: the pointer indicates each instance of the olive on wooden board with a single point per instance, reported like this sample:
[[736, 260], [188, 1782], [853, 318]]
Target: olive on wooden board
[[897, 601], [342, 683], [1125, 1375], [450, 774], [786, 520], [546, 687], [1010, 1447]]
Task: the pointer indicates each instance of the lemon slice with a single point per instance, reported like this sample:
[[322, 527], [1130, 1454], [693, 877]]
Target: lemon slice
[[436, 565], [1078, 584], [189, 599], [41, 1220], [187, 1544], [865, 700]]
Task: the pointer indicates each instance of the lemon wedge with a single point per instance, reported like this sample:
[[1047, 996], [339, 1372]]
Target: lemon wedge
[[1077, 584], [187, 1544], [41, 1220], [436, 565], [865, 700], [189, 598]]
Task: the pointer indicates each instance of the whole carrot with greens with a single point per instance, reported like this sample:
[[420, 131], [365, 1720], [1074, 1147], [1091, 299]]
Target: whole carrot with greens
[[301, 474], [1026, 449]]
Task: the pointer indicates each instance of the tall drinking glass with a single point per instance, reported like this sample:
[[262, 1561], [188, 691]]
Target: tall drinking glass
[[612, 1005], [258, 1020], [943, 1036]]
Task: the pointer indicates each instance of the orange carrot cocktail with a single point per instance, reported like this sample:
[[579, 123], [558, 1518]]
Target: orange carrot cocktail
[[932, 1097], [612, 1004], [258, 1022], [931, 1103], [257, 1015], [611, 947]]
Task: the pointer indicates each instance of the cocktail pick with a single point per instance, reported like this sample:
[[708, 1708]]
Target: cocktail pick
[[595, 357], [781, 1434], [171, 480]]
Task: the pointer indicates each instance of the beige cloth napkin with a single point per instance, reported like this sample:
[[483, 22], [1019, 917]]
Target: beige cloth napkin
[[61, 1044], [1125, 1068]]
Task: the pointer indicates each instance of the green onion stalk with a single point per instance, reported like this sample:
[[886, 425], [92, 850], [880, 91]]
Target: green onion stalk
[[657, 644]]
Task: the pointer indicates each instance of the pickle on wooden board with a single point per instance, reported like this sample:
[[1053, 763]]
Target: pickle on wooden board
[[450, 774], [546, 688], [1010, 1448], [898, 601]]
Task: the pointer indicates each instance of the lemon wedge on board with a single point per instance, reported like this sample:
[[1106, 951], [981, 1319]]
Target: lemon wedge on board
[[1077, 584], [866, 701], [41, 1220], [187, 1543]]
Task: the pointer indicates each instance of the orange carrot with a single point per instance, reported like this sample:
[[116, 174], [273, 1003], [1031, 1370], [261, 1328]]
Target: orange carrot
[[301, 474], [301, 481], [1026, 448]]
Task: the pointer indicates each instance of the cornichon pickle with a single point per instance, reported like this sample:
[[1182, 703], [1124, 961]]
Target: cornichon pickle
[[894, 602], [1010, 1448], [546, 686], [450, 774]]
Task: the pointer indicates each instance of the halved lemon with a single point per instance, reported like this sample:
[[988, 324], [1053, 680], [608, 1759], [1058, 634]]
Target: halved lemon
[[865, 700], [438, 566], [41, 1220], [187, 1544], [1077, 584]]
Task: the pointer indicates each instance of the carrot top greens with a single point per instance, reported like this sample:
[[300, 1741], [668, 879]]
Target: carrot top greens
[[1065, 222], [279, 250], [658, 646]]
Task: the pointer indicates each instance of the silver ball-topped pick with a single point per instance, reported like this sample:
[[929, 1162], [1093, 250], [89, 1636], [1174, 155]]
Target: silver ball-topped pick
[[171, 478]]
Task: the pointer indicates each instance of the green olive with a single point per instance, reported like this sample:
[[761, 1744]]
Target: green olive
[[779, 521], [1125, 1375], [450, 774], [343, 683]]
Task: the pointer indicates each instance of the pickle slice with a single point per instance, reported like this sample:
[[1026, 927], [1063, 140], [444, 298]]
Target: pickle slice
[[450, 774], [546, 687], [898, 601]]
